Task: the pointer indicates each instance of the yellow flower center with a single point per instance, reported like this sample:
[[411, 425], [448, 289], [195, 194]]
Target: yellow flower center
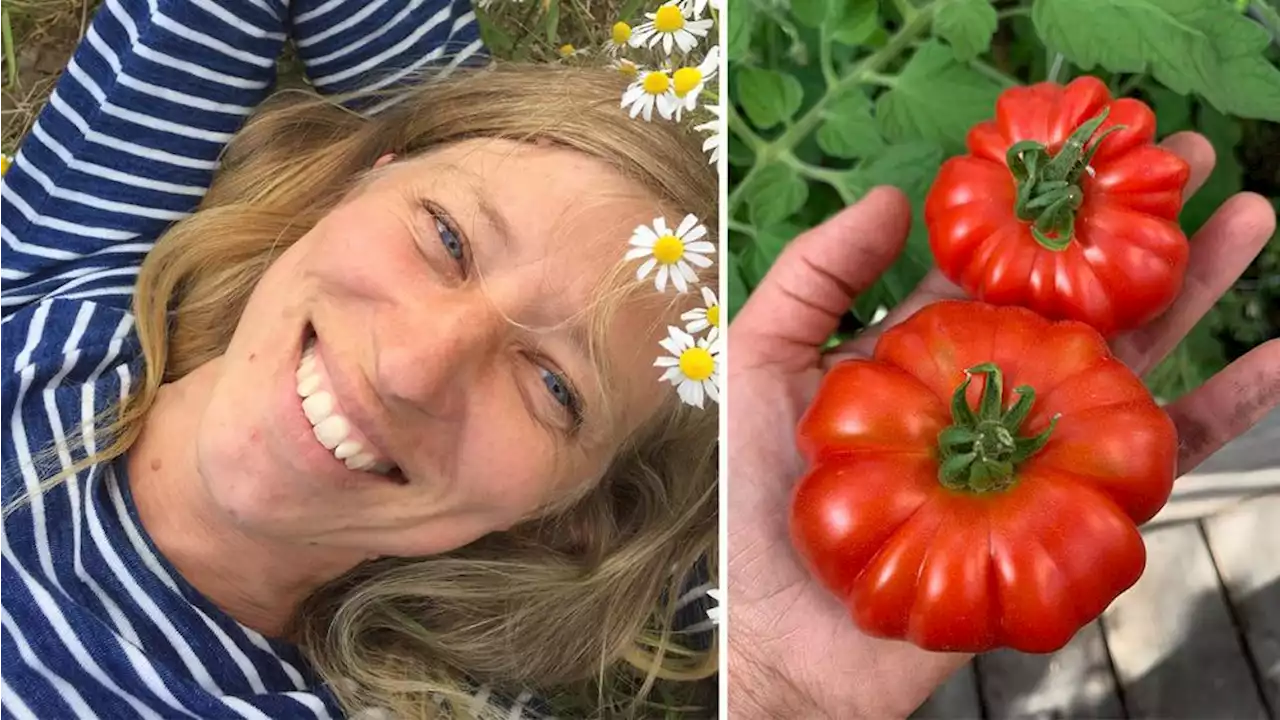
[[628, 68], [686, 79], [566, 50], [656, 83], [697, 364], [713, 315], [668, 249], [621, 33], [4, 164], [668, 19]]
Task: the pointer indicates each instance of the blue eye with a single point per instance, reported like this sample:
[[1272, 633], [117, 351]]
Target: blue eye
[[558, 388], [452, 243]]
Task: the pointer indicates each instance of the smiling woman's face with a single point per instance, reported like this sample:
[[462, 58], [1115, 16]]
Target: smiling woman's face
[[431, 331]]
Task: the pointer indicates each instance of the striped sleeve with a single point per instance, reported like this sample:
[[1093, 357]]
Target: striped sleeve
[[129, 141], [369, 46]]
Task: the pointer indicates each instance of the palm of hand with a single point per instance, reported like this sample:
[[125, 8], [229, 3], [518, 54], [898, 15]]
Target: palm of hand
[[786, 624]]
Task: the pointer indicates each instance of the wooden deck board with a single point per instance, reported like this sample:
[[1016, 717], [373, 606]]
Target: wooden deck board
[[1075, 682], [1245, 545], [1172, 640]]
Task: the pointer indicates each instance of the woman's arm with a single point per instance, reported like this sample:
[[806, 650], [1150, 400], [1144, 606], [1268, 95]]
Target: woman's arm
[[129, 140], [368, 45]]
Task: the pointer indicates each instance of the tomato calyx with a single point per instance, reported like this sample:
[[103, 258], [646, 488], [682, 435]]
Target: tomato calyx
[[981, 452], [1049, 191]]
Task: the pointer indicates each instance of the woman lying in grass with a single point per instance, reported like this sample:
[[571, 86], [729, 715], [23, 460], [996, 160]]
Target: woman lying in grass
[[376, 423]]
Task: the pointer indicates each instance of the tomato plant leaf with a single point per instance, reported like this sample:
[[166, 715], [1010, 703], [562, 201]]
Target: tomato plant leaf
[[739, 29], [769, 244], [967, 25], [910, 167], [768, 97], [847, 129], [855, 21], [1227, 177], [1173, 111], [936, 99], [774, 193], [1200, 46], [738, 289], [812, 13]]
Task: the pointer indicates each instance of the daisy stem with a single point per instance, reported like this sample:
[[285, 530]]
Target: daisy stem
[[779, 147]]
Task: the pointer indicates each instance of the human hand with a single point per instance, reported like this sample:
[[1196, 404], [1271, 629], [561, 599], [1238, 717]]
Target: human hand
[[794, 651]]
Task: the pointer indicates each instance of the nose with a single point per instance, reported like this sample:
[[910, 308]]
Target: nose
[[433, 349]]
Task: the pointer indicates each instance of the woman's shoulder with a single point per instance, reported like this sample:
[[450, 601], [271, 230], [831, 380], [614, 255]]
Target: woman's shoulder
[[61, 361]]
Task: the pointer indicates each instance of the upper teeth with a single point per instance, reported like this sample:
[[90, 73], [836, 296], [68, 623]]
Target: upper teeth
[[330, 428]]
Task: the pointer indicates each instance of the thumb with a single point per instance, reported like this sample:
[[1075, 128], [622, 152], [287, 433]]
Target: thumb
[[798, 305]]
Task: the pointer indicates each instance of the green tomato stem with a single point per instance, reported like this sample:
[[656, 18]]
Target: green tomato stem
[[1048, 186], [980, 452]]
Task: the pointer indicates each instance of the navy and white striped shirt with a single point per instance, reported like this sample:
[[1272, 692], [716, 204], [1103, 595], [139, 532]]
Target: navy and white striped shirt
[[95, 622]]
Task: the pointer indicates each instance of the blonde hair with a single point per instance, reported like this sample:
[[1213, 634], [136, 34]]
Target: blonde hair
[[576, 605]]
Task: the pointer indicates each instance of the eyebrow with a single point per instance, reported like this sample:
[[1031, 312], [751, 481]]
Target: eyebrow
[[496, 219]]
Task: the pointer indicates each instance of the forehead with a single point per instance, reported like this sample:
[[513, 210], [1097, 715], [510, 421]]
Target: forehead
[[555, 222]]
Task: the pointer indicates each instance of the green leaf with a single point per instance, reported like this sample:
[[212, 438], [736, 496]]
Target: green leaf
[[741, 26], [774, 193], [738, 289], [1200, 46], [1173, 111], [847, 129], [1227, 177], [910, 167], [498, 41], [809, 12], [764, 251], [553, 21], [936, 99], [768, 97], [967, 25], [855, 22]]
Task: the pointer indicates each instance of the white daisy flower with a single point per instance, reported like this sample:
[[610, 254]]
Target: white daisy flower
[[671, 252], [687, 82], [716, 139], [693, 366], [651, 88], [619, 37], [714, 614], [694, 8], [627, 68], [708, 316], [670, 27]]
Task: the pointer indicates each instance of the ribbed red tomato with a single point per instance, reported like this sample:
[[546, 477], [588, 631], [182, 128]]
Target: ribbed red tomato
[[1064, 206], [957, 529]]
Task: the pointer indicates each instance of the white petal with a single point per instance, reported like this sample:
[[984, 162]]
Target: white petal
[[672, 345], [713, 392], [684, 40], [645, 233], [699, 260], [691, 393], [679, 279], [643, 271], [632, 94], [685, 226], [661, 282], [666, 105], [635, 109], [635, 253], [695, 313], [672, 375], [711, 63], [685, 339], [698, 27], [660, 226], [665, 361], [697, 325], [686, 271], [648, 108], [695, 234], [709, 297], [702, 247]]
